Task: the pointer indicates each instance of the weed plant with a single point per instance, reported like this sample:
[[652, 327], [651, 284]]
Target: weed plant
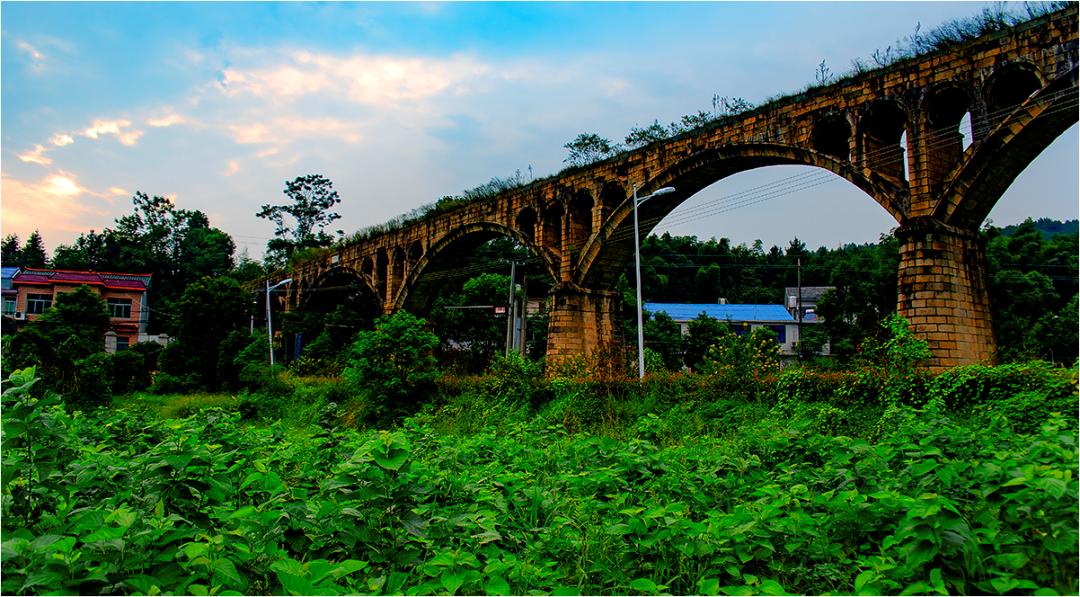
[[513, 483]]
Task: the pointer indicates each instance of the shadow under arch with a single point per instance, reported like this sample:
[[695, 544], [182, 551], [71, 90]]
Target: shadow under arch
[[604, 257], [453, 249], [992, 164], [336, 283]]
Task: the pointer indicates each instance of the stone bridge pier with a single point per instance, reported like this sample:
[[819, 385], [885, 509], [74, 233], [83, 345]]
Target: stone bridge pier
[[581, 320], [942, 292]]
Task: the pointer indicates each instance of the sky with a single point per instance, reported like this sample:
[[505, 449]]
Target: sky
[[217, 105]]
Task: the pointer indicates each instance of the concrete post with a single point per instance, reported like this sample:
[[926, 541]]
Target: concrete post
[[942, 291], [110, 341]]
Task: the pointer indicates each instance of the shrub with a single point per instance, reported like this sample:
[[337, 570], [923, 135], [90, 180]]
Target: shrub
[[92, 382], [394, 363]]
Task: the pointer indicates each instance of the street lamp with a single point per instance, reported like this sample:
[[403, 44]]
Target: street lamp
[[637, 264], [269, 325]]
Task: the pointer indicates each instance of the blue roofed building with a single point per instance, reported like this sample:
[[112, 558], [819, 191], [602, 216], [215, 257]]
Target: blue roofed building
[[741, 318], [7, 290]]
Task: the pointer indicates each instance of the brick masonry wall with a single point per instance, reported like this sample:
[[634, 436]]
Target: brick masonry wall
[[942, 292]]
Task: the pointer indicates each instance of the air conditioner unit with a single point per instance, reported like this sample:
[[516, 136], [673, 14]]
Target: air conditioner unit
[[20, 316]]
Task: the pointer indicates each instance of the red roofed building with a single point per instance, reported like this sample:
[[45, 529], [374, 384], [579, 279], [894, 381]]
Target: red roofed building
[[124, 294]]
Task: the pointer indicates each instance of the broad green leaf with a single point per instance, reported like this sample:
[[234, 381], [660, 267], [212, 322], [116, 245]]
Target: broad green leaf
[[497, 586], [452, 581], [771, 587], [644, 585], [225, 569], [709, 586]]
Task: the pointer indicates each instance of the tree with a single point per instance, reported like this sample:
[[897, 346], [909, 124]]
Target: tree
[[33, 252], [394, 363], [10, 254], [176, 246], [587, 148], [61, 343], [207, 311], [312, 198], [479, 331], [703, 332], [663, 335], [650, 134]]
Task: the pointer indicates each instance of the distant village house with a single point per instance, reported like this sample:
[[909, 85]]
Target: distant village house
[[29, 292]]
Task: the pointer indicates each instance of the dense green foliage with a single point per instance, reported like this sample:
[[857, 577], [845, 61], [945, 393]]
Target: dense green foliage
[[66, 342], [394, 364], [30, 254], [811, 483], [176, 246]]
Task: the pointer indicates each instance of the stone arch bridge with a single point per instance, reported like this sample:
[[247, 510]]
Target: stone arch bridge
[[1017, 87]]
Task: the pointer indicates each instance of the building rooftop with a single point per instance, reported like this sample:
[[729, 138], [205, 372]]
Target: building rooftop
[[7, 272], [689, 311], [111, 280]]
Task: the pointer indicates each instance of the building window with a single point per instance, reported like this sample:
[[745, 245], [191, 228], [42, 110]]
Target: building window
[[120, 308], [781, 333], [122, 343], [36, 304], [9, 306]]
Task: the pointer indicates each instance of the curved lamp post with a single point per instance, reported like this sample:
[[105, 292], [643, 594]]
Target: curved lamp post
[[637, 266], [269, 325]]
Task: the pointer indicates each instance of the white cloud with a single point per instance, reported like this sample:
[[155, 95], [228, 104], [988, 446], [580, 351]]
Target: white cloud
[[57, 206], [36, 156], [231, 168], [283, 130], [30, 51], [166, 121], [383, 81], [61, 139], [114, 127], [119, 191]]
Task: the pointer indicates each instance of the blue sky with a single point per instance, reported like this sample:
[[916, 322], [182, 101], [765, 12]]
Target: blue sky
[[216, 105]]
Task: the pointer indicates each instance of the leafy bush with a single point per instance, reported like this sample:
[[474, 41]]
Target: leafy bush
[[394, 363]]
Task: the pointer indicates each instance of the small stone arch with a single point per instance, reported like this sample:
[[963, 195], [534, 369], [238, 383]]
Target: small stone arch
[[397, 269], [942, 142], [882, 130], [526, 222], [416, 251], [612, 195], [580, 218], [382, 272], [1009, 85], [832, 136], [551, 232]]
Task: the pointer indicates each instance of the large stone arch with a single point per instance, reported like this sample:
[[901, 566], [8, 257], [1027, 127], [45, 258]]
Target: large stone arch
[[416, 292], [604, 256], [992, 164], [325, 291]]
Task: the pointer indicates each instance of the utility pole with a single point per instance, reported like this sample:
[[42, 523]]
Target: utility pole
[[798, 304], [524, 311], [511, 305]]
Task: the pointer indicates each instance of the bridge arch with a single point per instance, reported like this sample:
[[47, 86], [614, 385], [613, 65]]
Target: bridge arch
[[326, 291], [603, 257], [416, 291]]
